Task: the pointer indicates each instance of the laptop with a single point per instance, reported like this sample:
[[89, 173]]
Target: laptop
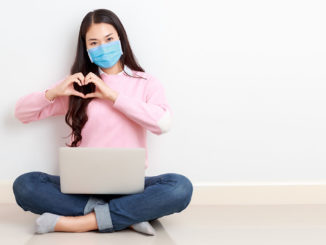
[[90, 170]]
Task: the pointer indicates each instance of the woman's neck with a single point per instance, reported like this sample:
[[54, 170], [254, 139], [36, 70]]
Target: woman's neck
[[117, 68]]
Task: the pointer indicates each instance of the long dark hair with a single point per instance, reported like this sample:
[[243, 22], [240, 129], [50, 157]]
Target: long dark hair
[[76, 116]]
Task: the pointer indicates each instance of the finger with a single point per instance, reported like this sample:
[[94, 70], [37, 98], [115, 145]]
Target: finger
[[76, 79], [81, 78], [78, 94], [89, 80], [90, 95], [79, 81], [92, 76], [87, 76]]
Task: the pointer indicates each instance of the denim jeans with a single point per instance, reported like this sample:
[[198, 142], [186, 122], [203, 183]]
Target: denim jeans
[[164, 194]]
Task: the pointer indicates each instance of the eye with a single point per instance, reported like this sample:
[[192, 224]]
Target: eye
[[110, 38], [93, 43]]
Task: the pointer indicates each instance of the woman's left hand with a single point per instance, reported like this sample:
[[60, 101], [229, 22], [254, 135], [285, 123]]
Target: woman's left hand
[[102, 90]]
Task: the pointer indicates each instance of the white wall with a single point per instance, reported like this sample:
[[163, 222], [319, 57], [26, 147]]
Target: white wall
[[245, 79]]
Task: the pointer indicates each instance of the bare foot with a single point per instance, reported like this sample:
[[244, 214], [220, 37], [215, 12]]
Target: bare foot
[[81, 223]]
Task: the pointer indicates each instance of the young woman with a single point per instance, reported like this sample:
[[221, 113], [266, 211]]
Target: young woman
[[108, 101]]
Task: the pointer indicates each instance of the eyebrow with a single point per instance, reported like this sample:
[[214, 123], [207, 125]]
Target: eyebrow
[[96, 39]]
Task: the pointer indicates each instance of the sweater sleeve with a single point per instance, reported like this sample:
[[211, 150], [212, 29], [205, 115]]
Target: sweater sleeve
[[35, 106], [154, 113]]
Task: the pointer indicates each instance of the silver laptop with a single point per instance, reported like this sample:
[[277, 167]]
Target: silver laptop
[[90, 170]]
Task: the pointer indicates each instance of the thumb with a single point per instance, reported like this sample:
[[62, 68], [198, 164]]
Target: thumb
[[78, 94], [89, 95]]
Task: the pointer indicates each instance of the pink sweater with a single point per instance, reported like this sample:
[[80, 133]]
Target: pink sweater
[[140, 105]]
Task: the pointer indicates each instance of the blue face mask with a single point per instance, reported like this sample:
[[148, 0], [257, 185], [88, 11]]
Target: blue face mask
[[106, 55]]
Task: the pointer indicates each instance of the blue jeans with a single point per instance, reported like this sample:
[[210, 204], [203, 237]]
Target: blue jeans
[[164, 194]]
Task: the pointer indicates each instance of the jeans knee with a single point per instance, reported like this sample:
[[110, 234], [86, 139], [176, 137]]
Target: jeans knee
[[182, 193], [23, 186]]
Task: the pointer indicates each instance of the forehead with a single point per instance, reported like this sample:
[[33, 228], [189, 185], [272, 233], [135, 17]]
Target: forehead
[[100, 30]]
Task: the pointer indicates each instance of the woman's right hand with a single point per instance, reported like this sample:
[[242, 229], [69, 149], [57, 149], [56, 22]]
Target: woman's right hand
[[66, 87]]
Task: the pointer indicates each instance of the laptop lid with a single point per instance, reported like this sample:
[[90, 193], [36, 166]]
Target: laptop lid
[[90, 170]]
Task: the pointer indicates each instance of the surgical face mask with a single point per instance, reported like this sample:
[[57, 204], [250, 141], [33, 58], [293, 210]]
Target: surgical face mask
[[106, 55]]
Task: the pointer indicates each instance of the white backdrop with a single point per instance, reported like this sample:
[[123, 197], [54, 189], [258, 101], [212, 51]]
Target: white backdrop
[[245, 80]]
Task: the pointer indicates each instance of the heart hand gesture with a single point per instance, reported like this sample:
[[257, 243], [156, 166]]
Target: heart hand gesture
[[66, 87], [77, 85], [102, 90]]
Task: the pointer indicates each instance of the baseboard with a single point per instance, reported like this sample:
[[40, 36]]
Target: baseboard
[[259, 193], [235, 194]]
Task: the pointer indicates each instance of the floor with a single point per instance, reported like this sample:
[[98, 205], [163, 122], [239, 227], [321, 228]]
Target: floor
[[222, 225]]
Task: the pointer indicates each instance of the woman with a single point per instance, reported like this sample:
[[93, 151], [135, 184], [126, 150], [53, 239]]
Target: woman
[[108, 101]]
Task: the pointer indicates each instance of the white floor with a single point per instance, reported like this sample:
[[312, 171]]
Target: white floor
[[222, 225]]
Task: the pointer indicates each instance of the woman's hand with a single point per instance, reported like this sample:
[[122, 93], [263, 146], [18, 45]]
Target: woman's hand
[[102, 90], [66, 87]]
